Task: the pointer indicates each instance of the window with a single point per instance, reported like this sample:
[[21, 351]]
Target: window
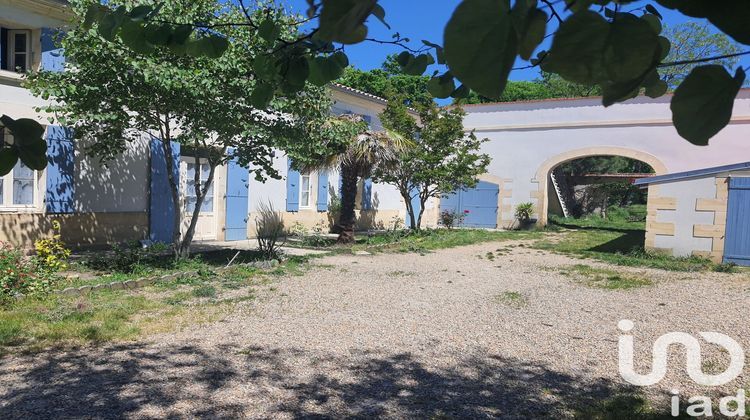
[[190, 188], [19, 50], [305, 191], [17, 188]]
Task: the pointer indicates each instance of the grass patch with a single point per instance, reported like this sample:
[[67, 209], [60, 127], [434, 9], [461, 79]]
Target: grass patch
[[433, 239], [514, 300], [604, 278], [32, 324], [618, 242]]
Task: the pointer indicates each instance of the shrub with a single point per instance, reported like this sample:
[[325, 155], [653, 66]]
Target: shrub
[[298, 230], [269, 230], [52, 255], [725, 267], [452, 218], [524, 211], [126, 258], [21, 275]]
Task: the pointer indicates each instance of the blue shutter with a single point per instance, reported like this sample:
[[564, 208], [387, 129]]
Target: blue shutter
[[367, 194], [292, 188], [52, 56], [322, 191], [162, 208], [60, 196], [238, 186], [737, 241]]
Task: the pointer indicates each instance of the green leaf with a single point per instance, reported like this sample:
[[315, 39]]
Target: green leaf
[[461, 92], [297, 72], [439, 51], [481, 45], [379, 13], [418, 65], [651, 9], [654, 22], [343, 20], [158, 34], [212, 46], [181, 35], [110, 23], [139, 13], [133, 34], [8, 159], [34, 154], [262, 95], [630, 48], [702, 105], [577, 48], [533, 33], [442, 86], [324, 70], [269, 31], [657, 90], [94, 14]]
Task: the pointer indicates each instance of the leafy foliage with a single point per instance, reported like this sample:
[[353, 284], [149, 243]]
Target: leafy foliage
[[451, 218], [388, 82], [524, 212], [441, 160], [51, 253], [594, 43], [20, 275]]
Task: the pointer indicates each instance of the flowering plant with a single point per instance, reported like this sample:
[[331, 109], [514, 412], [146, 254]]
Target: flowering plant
[[452, 218]]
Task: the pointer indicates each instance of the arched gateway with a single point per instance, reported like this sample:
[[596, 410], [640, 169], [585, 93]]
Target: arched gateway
[[527, 140]]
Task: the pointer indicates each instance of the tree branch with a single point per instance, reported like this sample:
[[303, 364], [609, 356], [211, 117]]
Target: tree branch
[[703, 60]]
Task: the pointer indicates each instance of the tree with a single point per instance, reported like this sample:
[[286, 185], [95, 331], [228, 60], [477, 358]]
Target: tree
[[693, 41], [547, 87], [113, 95], [357, 152], [594, 43], [441, 160], [389, 81]]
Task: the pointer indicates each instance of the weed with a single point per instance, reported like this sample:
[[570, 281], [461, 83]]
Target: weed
[[605, 278], [204, 291], [514, 300]]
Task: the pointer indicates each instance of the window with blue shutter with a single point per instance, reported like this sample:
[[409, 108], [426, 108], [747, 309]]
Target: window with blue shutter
[[162, 209], [60, 196], [322, 191], [292, 188], [52, 55]]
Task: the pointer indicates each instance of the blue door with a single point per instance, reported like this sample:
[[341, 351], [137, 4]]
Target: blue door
[[237, 201], [737, 242], [479, 205]]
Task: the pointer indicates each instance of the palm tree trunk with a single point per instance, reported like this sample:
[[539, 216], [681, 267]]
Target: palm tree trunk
[[347, 218]]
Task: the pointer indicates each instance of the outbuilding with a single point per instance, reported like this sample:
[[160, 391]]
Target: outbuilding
[[703, 212]]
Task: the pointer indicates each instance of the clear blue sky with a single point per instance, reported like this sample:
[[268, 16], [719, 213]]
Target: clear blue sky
[[425, 19]]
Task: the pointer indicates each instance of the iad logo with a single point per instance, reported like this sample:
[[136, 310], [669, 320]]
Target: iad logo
[[730, 406]]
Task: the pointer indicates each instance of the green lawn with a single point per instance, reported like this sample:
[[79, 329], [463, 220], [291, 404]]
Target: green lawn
[[619, 242]]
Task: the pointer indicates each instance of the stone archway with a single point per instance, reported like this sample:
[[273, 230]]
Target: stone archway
[[542, 174]]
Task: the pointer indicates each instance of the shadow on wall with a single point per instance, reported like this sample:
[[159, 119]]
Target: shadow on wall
[[230, 381], [368, 219], [80, 230]]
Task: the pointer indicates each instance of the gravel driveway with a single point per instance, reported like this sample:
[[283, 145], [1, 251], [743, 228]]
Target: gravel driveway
[[397, 336]]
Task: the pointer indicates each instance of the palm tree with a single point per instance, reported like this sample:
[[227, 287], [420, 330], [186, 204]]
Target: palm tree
[[366, 150]]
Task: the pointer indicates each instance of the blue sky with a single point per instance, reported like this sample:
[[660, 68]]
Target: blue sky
[[425, 19]]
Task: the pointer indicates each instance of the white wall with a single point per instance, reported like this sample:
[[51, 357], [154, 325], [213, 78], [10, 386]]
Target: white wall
[[525, 135], [120, 186], [685, 217]]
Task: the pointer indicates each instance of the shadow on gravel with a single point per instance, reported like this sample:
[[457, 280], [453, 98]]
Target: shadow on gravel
[[134, 380]]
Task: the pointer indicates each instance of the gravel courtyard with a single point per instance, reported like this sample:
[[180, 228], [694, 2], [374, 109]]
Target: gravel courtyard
[[447, 334]]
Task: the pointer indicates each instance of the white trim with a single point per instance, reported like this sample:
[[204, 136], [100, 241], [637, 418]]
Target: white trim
[[11, 49], [184, 161], [309, 176]]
